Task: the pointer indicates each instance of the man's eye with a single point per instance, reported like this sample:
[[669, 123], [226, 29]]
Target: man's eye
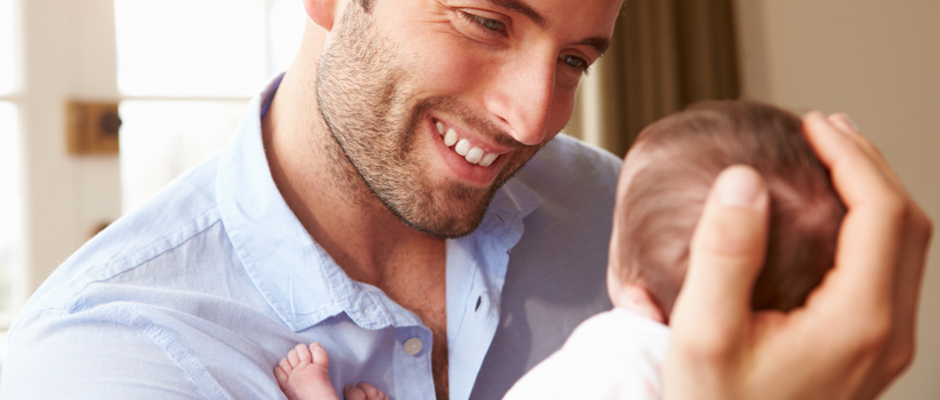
[[490, 24], [575, 62]]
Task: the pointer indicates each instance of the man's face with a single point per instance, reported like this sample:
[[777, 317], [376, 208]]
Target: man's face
[[437, 103]]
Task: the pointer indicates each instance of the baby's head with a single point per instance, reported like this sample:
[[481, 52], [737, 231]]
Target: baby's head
[[663, 185]]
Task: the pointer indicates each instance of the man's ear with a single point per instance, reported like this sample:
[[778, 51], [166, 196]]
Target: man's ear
[[322, 12]]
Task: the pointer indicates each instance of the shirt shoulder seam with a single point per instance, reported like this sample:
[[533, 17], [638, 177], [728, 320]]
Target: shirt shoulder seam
[[70, 299]]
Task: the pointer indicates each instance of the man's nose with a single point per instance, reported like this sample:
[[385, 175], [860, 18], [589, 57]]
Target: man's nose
[[522, 94]]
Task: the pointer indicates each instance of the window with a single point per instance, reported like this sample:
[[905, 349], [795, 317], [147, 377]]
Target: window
[[8, 44], [11, 243], [12, 287], [185, 48], [186, 78], [186, 70]]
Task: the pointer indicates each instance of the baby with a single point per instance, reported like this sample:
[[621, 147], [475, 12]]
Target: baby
[[663, 185]]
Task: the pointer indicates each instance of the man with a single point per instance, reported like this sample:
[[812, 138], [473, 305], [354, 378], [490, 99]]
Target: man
[[368, 203]]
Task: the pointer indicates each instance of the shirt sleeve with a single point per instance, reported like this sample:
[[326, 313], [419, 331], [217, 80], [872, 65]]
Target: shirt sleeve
[[89, 360]]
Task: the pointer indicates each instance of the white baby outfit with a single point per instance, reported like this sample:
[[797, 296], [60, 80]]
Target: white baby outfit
[[613, 355]]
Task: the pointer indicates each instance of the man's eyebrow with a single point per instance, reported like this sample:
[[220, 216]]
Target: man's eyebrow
[[521, 8], [599, 44]]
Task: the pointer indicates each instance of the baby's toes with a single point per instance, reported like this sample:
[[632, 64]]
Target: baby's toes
[[298, 354], [303, 353], [353, 392], [364, 391], [318, 355], [285, 366], [372, 393], [280, 375]]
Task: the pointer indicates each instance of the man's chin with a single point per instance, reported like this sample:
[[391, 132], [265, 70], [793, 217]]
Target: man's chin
[[449, 232], [456, 220]]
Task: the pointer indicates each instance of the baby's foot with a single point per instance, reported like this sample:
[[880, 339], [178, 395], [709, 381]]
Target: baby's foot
[[363, 391], [302, 375]]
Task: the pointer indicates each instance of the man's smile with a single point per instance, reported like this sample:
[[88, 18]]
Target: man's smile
[[473, 154], [473, 158]]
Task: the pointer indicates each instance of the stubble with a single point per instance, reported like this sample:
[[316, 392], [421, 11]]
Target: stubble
[[367, 102]]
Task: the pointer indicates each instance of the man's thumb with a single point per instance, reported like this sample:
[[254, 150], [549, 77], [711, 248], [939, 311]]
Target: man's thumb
[[726, 254]]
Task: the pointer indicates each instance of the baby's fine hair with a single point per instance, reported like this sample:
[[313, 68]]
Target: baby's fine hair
[[672, 166]]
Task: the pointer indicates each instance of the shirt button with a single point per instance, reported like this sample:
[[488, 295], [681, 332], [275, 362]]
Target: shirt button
[[413, 346]]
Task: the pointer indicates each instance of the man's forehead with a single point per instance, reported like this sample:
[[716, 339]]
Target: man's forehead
[[519, 7]]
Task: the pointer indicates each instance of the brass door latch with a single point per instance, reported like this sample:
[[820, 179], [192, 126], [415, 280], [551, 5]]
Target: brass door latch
[[92, 127]]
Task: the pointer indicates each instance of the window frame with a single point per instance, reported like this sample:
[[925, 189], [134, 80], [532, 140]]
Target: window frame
[[19, 271]]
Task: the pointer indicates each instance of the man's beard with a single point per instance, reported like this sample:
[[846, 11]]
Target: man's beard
[[367, 102]]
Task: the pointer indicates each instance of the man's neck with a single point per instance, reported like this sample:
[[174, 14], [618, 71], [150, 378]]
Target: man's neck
[[337, 209], [329, 197]]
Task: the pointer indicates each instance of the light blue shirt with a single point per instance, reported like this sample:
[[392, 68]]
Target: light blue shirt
[[199, 293]]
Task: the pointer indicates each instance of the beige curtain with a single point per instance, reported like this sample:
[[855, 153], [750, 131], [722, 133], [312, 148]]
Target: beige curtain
[[665, 55]]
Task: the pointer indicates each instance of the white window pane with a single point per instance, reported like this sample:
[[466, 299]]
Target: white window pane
[[286, 23], [10, 206], [191, 47], [162, 139], [8, 40]]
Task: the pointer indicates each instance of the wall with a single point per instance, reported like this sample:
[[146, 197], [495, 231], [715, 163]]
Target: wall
[[879, 62]]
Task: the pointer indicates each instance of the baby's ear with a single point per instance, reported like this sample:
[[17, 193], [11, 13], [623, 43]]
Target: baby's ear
[[635, 297]]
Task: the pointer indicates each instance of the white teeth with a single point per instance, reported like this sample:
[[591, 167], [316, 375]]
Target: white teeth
[[488, 159], [474, 155], [450, 138], [462, 147]]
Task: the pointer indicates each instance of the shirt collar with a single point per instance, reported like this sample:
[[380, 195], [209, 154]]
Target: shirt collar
[[296, 276]]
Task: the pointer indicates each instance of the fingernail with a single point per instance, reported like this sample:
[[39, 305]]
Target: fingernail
[[851, 123], [738, 186]]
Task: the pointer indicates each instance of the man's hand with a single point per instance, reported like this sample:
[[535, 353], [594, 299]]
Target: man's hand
[[856, 332]]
